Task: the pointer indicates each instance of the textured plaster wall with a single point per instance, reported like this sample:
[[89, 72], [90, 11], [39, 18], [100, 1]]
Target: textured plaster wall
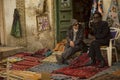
[[9, 6], [33, 41], [44, 39]]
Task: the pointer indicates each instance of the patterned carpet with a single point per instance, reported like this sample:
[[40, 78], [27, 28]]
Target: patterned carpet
[[78, 69], [63, 77], [27, 61], [107, 77], [52, 57], [48, 64], [46, 67]]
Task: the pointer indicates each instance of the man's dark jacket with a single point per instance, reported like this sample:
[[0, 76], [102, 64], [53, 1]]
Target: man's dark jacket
[[101, 31], [79, 37]]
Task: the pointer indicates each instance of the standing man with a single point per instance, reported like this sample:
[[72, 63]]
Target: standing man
[[102, 35]]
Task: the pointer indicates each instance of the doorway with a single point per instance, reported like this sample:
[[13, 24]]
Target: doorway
[[82, 9], [68, 9], [82, 12]]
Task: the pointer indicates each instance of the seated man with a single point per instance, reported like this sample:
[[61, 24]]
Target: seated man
[[74, 42], [102, 35]]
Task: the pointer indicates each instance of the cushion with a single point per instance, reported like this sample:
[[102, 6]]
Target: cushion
[[113, 33]]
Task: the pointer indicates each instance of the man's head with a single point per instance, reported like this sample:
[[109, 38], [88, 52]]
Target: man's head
[[75, 24], [97, 17]]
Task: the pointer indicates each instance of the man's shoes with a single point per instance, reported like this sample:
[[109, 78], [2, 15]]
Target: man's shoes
[[59, 59], [91, 62], [102, 64]]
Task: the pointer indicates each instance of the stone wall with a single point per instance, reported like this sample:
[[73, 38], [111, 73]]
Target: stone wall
[[31, 39], [38, 39]]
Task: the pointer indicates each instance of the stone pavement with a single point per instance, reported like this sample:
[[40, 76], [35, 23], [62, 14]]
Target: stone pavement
[[113, 68]]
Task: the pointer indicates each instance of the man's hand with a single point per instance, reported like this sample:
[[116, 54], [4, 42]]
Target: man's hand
[[92, 38], [72, 44]]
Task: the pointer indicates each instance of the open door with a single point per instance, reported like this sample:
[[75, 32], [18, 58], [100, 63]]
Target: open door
[[63, 17]]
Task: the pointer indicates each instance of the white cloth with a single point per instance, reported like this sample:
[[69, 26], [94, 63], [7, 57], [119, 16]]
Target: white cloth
[[74, 33]]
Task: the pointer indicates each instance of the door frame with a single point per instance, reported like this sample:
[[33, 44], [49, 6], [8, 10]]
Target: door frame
[[57, 19]]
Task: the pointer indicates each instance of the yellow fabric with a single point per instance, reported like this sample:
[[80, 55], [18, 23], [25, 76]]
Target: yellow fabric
[[60, 46], [117, 73], [45, 76], [103, 46], [27, 75]]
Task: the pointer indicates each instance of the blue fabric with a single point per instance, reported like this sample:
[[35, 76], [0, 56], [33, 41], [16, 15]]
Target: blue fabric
[[48, 53], [113, 34]]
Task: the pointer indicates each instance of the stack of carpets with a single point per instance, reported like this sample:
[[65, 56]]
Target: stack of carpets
[[52, 58], [116, 73], [27, 62], [2, 78], [63, 77], [22, 54], [42, 52], [22, 75]]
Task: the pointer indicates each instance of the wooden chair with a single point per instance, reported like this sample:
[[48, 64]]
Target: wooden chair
[[115, 32]]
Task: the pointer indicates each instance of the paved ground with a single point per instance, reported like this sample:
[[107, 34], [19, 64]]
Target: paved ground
[[113, 68]]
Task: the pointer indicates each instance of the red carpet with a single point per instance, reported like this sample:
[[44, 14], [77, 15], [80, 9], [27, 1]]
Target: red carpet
[[78, 69], [22, 54], [27, 62], [24, 64]]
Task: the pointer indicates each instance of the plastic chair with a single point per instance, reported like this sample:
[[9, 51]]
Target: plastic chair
[[115, 32]]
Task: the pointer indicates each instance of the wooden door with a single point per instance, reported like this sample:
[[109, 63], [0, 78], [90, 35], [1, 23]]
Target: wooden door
[[63, 17]]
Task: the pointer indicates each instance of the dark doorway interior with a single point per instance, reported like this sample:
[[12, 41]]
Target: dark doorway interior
[[82, 9], [82, 12]]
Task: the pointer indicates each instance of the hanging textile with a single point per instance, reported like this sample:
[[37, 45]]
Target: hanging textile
[[97, 7], [100, 6], [112, 16], [16, 26], [94, 7]]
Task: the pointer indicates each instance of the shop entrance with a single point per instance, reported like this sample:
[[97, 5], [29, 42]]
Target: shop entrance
[[68, 9], [81, 10]]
